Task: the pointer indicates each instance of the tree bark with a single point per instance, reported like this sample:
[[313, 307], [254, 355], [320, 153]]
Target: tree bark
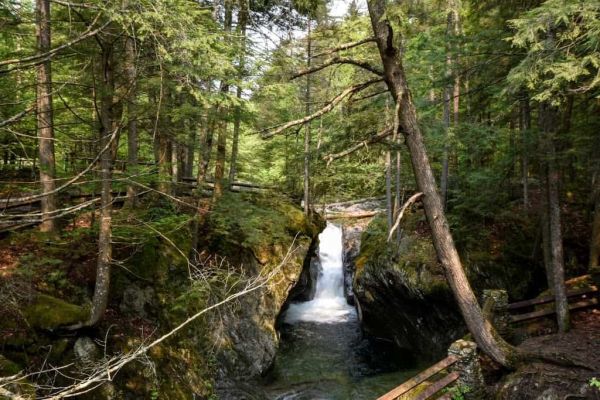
[[548, 123], [45, 120], [481, 329], [132, 135]]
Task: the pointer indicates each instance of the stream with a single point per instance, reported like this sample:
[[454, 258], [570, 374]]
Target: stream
[[323, 354]]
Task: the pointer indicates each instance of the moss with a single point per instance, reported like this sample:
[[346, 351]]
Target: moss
[[7, 367], [48, 312]]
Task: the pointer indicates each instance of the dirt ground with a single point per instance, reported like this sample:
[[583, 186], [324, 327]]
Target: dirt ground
[[542, 381]]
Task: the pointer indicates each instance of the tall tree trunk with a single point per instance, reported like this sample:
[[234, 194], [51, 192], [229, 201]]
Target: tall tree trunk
[[446, 155], [595, 242], [190, 150], [164, 159], [220, 160], [548, 115], [398, 200], [481, 329], [103, 266], [222, 124], [307, 126], [242, 21], [132, 134], [452, 90], [525, 125], [45, 120], [207, 133]]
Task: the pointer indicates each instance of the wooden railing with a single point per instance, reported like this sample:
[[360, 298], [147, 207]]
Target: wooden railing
[[580, 298], [407, 387]]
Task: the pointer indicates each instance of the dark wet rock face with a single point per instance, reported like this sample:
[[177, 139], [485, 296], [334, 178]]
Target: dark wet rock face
[[352, 234], [403, 296]]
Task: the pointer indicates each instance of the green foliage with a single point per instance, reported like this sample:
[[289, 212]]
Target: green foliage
[[458, 391], [562, 40], [595, 383]]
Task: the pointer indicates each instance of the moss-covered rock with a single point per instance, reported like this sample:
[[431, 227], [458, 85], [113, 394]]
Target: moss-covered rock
[[411, 283], [47, 312]]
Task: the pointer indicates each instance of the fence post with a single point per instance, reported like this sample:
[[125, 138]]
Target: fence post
[[495, 308], [470, 383]]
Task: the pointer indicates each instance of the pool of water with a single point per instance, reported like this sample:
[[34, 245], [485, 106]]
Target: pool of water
[[333, 361], [323, 354]]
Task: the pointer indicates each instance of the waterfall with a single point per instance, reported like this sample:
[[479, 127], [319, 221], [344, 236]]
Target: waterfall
[[329, 304]]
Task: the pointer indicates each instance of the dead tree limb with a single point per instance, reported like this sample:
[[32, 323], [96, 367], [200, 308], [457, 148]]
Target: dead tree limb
[[344, 46], [373, 139], [339, 60], [410, 201], [335, 101], [17, 117]]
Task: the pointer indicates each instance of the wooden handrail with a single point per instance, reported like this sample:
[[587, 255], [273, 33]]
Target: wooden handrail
[[542, 313], [419, 378], [549, 298], [437, 386]]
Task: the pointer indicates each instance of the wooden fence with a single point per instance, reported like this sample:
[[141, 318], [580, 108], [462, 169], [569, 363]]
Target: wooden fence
[[502, 315], [581, 298]]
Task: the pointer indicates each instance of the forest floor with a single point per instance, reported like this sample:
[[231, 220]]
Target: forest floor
[[581, 345]]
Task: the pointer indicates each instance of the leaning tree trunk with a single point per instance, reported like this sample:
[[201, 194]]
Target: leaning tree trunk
[[480, 328], [548, 124], [101, 291], [45, 119]]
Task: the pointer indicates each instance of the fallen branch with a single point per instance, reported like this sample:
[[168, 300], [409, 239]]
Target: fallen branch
[[373, 139], [410, 201], [335, 101]]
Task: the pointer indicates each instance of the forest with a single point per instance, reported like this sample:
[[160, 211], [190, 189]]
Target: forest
[[299, 199]]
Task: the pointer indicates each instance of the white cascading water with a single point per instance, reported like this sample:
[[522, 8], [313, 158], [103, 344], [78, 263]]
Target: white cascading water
[[329, 304]]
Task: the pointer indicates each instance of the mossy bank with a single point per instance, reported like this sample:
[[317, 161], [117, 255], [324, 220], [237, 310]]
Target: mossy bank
[[158, 282]]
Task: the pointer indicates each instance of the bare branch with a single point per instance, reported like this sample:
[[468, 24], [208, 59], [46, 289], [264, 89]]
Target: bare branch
[[345, 46], [335, 101], [373, 139], [17, 117], [339, 60], [412, 199]]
